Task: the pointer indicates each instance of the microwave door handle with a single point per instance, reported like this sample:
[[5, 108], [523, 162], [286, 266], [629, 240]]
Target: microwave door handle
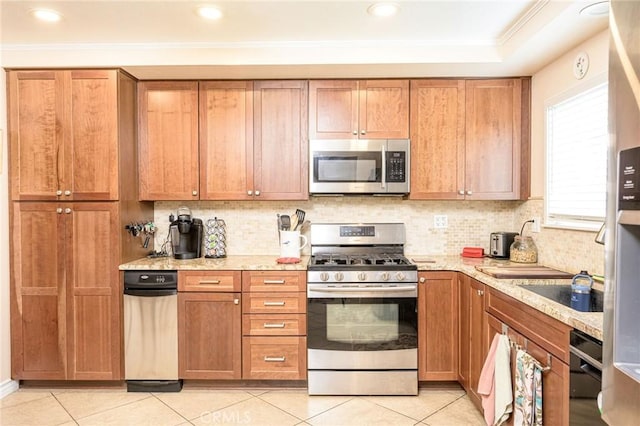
[[384, 169]]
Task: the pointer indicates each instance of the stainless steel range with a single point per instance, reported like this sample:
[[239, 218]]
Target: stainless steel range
[[361, 311]]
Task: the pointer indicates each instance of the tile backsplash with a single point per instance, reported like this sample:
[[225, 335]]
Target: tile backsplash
[[252, 229]]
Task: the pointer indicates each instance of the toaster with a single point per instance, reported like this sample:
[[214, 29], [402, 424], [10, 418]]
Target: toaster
[[500, 244]]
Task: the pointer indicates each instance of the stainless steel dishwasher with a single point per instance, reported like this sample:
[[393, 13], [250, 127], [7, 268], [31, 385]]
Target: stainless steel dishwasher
[[151, 331]]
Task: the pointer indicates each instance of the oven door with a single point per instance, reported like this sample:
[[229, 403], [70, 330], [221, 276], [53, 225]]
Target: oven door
[[357, 326], [358, 166]]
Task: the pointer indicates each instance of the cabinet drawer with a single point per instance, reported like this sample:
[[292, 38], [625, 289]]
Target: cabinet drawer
[[274, 325], [203, 281], [283, 303], [549, 333], [274, 281], [280, 358]]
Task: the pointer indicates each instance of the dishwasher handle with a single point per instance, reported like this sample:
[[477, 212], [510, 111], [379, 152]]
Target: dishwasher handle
[[150, 292]]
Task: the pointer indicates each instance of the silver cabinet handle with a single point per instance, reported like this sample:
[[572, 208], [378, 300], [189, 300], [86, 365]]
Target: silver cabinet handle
[[274, 359], [363, 132], [273, 303], [273, 325], [194, 192], [469, 193], [461, 192], [59, 192], [210, 282], [249, 192], [236, 301], [67, 210], [59, 210], [267, 282], [67, 192]]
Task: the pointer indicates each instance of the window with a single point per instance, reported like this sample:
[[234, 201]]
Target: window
[[577, 139]]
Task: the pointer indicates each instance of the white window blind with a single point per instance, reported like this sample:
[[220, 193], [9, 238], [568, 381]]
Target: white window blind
[[577, 138]]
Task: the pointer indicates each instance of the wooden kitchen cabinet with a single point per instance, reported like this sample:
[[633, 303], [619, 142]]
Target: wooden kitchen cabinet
[[438, 326], [64, 133], [168, 140], [253, 140], [274, 325], [65, 305], [470, 139], [473, 347], [364, 109], [544, 338]]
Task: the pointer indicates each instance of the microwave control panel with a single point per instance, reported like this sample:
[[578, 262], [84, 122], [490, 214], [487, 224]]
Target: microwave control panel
[[396, 166]]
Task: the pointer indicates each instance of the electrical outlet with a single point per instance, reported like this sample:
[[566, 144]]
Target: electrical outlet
[[440, 221], [535, 226]]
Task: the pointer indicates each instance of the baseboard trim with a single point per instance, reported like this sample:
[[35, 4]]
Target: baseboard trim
[[8, 387]]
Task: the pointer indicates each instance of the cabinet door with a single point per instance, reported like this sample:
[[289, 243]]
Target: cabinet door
[[280, 140], [226, 140], [477, 340], [91, 154], [438, 326], [437, 139], [209, 336], [38, 304], [383, 109], [36, 113], [493, 139], [168, 140], [93, 291], [333, 109]]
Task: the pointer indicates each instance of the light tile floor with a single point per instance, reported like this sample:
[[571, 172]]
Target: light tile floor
[[198, 406]]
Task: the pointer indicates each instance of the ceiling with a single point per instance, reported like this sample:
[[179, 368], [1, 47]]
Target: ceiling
[[297, 39]]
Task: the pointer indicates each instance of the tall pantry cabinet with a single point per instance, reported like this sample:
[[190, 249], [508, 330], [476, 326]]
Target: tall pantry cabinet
[[73, 162]]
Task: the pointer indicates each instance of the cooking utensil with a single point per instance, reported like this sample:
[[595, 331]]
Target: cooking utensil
[[286, 222], [300, 214], [294, 222]]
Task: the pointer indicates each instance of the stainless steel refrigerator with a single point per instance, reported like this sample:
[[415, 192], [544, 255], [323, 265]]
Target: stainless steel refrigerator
[[621, 374]]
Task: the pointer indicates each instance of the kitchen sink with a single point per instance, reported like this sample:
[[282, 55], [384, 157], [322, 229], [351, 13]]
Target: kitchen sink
[[562, 294]]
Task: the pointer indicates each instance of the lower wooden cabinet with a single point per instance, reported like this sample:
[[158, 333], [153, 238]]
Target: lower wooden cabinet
[[476, 340], [274, 343], [438, 326]]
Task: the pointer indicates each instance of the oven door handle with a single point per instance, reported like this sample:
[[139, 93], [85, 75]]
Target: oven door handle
[[363, 289]]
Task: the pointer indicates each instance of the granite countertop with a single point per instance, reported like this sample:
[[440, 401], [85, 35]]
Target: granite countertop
[[588, 322], [230, 263]]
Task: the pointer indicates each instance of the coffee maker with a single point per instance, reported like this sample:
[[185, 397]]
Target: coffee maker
[[186, 235]]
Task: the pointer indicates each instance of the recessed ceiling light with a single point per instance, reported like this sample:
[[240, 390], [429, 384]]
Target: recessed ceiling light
[[210, 12], [599, 8], [47, 15], [383, 9]]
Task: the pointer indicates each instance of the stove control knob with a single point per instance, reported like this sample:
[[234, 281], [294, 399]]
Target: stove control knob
[[362, 276], [324, 276], [384, 276], [400, 276], [339, 276]]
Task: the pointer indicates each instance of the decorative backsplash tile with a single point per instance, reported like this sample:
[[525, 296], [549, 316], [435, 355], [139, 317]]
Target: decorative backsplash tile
[[252, 227]]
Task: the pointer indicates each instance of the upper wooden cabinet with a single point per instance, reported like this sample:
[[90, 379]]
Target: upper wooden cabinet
[[168, 140], [470, 139], [253, 140], [63, 131], [352, 109]]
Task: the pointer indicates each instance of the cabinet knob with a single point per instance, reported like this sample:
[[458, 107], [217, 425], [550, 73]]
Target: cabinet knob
[[67, 210], [194, 192], [461, 192], [422, 280], [363, 132], [355, 132], [59, 192], [469, 193], [59, 210], [257, 193], [67, 192], [249, 192], [480, 292], [236, 301]]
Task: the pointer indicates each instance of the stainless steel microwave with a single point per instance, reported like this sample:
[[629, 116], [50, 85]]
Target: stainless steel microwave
[[359, 166]]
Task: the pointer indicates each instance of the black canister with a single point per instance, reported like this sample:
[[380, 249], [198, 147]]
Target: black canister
[[581, 292]]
